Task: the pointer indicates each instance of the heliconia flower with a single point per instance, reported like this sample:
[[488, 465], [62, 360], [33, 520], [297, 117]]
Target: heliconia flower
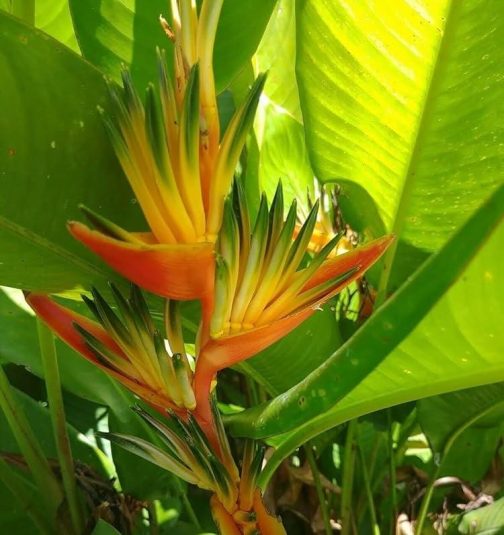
[[329, 221], [128, 346], [178, 166], [236, 502], [263, 289]]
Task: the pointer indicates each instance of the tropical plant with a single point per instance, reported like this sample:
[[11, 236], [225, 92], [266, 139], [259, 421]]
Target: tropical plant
[[289, 288]]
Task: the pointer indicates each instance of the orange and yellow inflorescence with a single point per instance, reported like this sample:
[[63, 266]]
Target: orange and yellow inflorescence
[[256, 281]]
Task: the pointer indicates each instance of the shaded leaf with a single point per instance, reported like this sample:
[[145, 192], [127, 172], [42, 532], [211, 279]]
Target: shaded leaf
[[39, 420], [104, 528], [441, 417], [113, 32], [59, 160]]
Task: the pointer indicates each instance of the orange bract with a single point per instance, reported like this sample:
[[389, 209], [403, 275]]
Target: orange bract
[[128, 349], [173, 271], [169, 149], [262, 292]]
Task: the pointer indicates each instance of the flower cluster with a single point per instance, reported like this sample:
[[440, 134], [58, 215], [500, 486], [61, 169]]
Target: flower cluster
[[256, 281]]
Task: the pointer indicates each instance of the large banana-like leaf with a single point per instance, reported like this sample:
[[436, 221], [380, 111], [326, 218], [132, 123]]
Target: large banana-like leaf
[[404, 102], [343, 387], [54, 154], [390, 110], [112, 32], [53, 17], [436, 357]]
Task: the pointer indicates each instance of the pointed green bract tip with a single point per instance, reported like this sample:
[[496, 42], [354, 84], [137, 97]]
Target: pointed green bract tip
[[107, 227]]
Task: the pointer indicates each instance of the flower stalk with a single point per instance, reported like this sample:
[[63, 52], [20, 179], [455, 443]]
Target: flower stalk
[[57, 411]]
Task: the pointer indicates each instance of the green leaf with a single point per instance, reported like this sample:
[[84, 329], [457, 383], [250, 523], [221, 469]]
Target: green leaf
[[54, 154], [104, 528], [241, 26], [52, 17], [307, 402], [283, 155], [404, 103], [435, 358], [302, 350], [116, 32], [477, 444], [456, 435], [22, 492], [279, 61], [13, 516], [488, 520], [17, 424], [441, 418], [113, 32]]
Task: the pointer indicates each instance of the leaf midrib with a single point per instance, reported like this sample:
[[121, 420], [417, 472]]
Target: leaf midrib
[[39, 241]]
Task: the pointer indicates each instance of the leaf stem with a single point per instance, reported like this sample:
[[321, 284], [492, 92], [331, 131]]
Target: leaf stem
[[318, 487], [424, 507], [348, 477], [369, 492], [25, 10], [57, 412], [392, 468], [187, 504], [153, 521]]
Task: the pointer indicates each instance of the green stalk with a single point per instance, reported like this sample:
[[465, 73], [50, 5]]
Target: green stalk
[[187, 504], [348, 478], [19, 490], [318, 487], [57, 412], [392, 469], [45, 480], [25, 10], [153, 521], [369, 493], [424, 508]]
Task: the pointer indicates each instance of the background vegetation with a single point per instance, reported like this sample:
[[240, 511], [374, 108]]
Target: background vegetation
[[374, 423]]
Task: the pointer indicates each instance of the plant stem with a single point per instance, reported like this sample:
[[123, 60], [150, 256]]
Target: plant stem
[[25, 10], [57, 412], [153, 522], [187, 504], [47, 484], [22, 494], [318, 487], [424, 508], [348, 477], [392, 469], [369, 492]]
